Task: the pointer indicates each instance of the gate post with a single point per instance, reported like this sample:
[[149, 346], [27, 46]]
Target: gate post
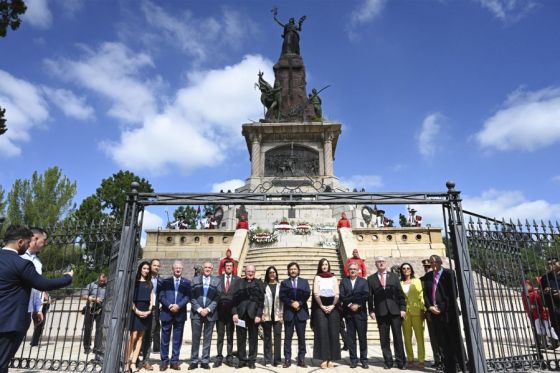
[[122, 285], [475, 345]]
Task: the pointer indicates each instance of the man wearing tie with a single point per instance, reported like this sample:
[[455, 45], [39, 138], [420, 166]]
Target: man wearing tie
[[174, 296], [354, 293], [248, 306], [294, 293], [387, 305], [224, 323], [152, 333], [206, 292], [440, 298], [18, 278]]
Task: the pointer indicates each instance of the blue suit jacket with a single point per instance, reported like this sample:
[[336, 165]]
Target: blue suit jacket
[[167, 298], [359, 295], [17, 277], [287, 296]]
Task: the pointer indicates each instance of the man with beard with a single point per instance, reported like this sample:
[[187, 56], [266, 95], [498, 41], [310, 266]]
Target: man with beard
[[224, 324]]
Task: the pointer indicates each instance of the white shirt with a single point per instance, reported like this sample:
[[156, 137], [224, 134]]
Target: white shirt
[[35, 301]]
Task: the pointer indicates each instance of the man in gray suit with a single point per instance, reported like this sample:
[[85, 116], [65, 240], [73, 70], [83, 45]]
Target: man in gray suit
[[206, 291]]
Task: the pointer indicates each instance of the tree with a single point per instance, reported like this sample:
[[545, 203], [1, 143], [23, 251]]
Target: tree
[[41, 201], [113, 191], [90, 210], [2, 201], [3, 127], [10, 11]]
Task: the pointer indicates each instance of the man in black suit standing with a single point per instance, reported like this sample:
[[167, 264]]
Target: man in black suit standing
[[387, 305], [354, 293], [294, 293], [224, 324], [18, 278], [248, 306], [440, 298]]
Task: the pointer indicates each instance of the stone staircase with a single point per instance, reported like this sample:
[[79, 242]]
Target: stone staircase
[[307, 258]]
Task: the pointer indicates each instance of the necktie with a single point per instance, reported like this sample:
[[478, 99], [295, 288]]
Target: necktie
[[227, 283], [294, 287], [382, 279], [176, 289], [434, 287], [205, 287]]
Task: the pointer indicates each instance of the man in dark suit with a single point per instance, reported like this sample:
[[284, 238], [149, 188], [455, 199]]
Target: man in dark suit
[[354, 293], [248, 306], [152, 333], [224, 324], [387, 305], [174, 296], [294, 293], [440, 298], [17, 277], [436, 348], [206, 291]]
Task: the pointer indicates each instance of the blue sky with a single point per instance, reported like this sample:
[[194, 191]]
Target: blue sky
[[426, 91]]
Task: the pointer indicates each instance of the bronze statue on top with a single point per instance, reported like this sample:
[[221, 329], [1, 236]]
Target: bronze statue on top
[[290, 35]]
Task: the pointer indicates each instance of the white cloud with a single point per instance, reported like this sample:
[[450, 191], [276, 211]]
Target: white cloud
[[429, 134], [509, 11], [114, 72], [199, 126], [38, 14], [152, 221], [498, 204], [201, 38], [228, 185], [367, 11], [368, 182], [25, 110], [72, 105], [528, 121]]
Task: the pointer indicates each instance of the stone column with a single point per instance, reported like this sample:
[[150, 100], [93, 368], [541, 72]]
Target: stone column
[[327, 151], [256, 155]]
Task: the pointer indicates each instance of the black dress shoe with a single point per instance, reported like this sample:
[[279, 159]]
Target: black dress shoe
[[205, 366], [252, 366], [353, 364], [229, 362], [217, 363], [365, 365], [193, 366], [301, 364], [401, 366], [287, 364], [241, 364], [387, 366]]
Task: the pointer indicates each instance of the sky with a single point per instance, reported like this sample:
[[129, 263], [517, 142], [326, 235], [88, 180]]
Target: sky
[[426, 90]]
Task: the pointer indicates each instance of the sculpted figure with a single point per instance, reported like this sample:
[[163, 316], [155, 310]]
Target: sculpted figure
[[290, 35], [316, 101]]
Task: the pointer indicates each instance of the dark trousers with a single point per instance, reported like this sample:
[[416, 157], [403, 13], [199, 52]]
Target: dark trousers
[[343, 332], [225, 328], [436, 349], [38, 329], [89, 320], [289, 333], [201, 328], [448, 336], [386, 325], [355, 325], [151, 336], [9, 344], [168, 327], [251, 329], [270, 328]]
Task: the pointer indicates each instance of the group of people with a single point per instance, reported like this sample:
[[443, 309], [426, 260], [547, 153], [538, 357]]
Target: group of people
[[232, 304]]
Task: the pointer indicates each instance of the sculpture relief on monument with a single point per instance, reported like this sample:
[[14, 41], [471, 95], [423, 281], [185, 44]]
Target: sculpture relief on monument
[[291, 160]]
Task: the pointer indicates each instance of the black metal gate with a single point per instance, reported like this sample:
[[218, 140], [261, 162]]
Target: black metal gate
[[58, 343], [518, 321]]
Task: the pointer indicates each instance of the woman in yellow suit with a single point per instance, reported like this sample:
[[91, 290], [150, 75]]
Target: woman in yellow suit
[[414, 319]]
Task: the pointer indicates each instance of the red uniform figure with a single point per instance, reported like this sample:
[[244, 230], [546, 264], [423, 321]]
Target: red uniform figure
[[355, 259], [243, 223], [222, 266], [343, 222]]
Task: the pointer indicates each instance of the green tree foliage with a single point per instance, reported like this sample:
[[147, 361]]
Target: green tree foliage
[[113, 191], [10, 12], [2, 200], [90, 210], [42, 200], [3, 127], [187, 212]]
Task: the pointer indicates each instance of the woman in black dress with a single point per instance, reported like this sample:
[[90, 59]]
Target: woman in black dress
[[272, 317], [142, 303]]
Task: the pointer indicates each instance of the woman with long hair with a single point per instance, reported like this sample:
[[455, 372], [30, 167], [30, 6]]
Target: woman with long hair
[[142, 303], [272, 317], [325, 316], [414, 319]]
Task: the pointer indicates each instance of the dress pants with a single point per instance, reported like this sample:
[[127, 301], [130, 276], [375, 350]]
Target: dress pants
[[251, 329], [436, 348], [166, 329], [387, 324], [356, 325], [289, 333], [38, 329], [9, 344], [410, 323], [449, 339], [89, 320], [225, 329], [271, 328], [201, 327]]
